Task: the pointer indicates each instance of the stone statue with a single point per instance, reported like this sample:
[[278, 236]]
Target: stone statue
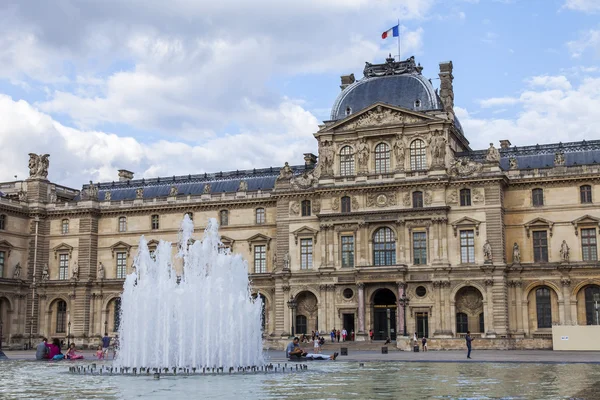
[[38, 165], [274, 260], [452, 197], [17, 273], [92, 191], [516, 254], [206, 189], [513, 163], [173, 191], [294, 208], [493, 155], [52, 198], [139, 193], [45, 274], [559, 159], [463, 166], [564, 251], [438, 149], [285, 173], [100, 271], [75, 273], [286, 261], [487, 251], [243, 186], [326, 157], [362, 149], [107, 196], [400, 152], [22, 195]]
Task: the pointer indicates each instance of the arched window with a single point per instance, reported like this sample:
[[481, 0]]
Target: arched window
[[65, 226], [263, 316], [384, 247], [417, 199], [382, 158], [543, 307], [418, 155], [585, 192], [61, 316], [122, 224], [462, 323], [346, 161], [537, 196], [592, 299], [224, 217], [346, 204], [301, 324], [305, 205], [154, 221], [465, 197], [2, 222], [260, 216], [117, 315]]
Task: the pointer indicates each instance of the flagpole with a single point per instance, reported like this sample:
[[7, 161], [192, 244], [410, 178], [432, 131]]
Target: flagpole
[[399, 32]]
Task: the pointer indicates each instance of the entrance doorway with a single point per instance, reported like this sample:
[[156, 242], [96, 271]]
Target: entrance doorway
[[422, 319], [348, 322], [384, 314]]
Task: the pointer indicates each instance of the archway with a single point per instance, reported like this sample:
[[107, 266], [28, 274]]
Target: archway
[[469, 310], [263, 315], [588, 302], [113, 316], [384, 314], [307, 307], [58, 317], [5, 319], [542, 307]]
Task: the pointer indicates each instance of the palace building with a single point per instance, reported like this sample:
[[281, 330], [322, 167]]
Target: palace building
[[397, 226]]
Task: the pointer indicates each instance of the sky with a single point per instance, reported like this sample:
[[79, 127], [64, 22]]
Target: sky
[[193, 86]]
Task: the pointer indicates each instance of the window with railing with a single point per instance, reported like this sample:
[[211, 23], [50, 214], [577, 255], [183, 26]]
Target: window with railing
[[382, 158], [63, 266], [419, 248], [589, 249], [260, 259], [384, 247], [121, 265], [347, 251], [346, 161], [467, 246], [418, 155], [306, 253]]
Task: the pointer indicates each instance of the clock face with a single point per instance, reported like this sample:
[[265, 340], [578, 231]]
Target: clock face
[[381, 200]]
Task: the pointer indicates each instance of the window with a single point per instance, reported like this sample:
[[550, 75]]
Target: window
[[417, 199], [346, 204], [467, 247], [122, 224], [306, 253], [347, 251], [592, 293], [2, 255], [2, 222], [155, 223], [586, 194], [384, 247], [465, 197], [348, 293], [117, 315], [301, 324], [63, 266], [305, 208], [538, 197], [224, 217], [481, 323], [540, 246], [260, 259], [348, 111], [419, 248], [65, 226], [382, 158], [543, 307], [421, 291], [346, 161], [589, 251], [61, 316], [260, 216], [418, 155], [462, 323], [121, 265]]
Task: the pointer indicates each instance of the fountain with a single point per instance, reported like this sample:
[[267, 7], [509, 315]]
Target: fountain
[[199, 320]]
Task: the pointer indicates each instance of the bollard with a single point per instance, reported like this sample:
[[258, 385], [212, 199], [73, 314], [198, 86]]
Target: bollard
[[156, 375], [384, 350]]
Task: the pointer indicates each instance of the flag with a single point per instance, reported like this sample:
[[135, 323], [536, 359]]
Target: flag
[[392, 32]]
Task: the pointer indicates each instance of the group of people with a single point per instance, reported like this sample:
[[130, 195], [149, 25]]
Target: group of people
[[295, 352], [53, 351], [340, 335]]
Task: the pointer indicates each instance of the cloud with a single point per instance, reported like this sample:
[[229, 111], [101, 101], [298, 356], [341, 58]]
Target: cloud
[[589, 6], [550, 82], [498, 101], [589, 40]]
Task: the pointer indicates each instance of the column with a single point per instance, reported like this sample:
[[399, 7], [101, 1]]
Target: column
[[566, 284], [519, 301], [323, 324], [448, 310], [401, 245], [438, 323], [490, 329], [444, 239], [361, 308], [435, 243], [401, 301], [286, 311]]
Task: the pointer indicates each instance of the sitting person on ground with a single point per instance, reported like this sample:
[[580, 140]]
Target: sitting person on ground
[[388, 340], [42, 350], [99, 353], [72, 353], [294, 351], [54, 350]]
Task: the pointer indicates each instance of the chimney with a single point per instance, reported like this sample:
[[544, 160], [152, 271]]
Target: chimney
[[505, 144], [347, 80], [309, 160], [125, 175], [446, 88]]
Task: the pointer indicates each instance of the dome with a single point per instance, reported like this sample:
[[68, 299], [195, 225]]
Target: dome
[[396, 83]]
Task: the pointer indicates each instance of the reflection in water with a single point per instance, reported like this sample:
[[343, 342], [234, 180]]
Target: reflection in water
[[340, 380]]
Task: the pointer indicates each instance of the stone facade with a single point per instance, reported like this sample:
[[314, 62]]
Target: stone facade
[[400, 227]]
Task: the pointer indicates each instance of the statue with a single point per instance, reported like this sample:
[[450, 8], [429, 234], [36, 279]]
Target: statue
[[52, 199], [286, 261], [92, 191], [173, 191], [22, 195], [452, 197], [100, 271], [139, 193], [564, 251], [326, 157], [487, 251], [438, 149], [45, 274], [17, 273], [285, 173], [362, 149], [294, 208], [38, 165], [493, 155], [400, 152], [243, 186], [559, 159], [107, 196], [516, 254], [75, 274], [274, 260], [463, 166], [206, 189], [513, 163]]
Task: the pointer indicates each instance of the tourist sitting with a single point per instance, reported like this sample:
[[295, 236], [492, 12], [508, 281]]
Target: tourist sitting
[[41, 351], [294, 351], [72, 353], [99, 353], [54, 352]]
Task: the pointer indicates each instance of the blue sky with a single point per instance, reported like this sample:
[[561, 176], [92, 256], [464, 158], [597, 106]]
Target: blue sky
[[197, 86]]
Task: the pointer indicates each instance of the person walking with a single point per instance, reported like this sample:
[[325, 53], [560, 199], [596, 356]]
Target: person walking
[[338, 335], [105, 345], [332, 334], [371, 334], [344, 334], [468, 339], [424, 341]]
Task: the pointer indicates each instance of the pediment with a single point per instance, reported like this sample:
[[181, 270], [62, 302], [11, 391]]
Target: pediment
[[466, 222], [7, 246], [379, 114], [120, 246], [539, 222], [259, 237], [153, 243], [586, 220], [62, 248], [305, 231]]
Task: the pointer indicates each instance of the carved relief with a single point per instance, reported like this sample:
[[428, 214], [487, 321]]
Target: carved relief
[[477, 196], [464, 167], [294, 208], [335, 204], [381, 199], [469, 299], [493, 155], [382, 116], [452, 197], [406, 199], [559, 159], [316, 206], [427, 197], [38, 165], [513, 163], [355, 205], [307, 179]]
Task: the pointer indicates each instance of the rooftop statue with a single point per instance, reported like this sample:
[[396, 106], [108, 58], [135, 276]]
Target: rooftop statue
[[38, 165]]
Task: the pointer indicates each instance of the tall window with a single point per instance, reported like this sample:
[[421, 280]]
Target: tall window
[[538, 197], [260, 216], [305, 205], [301, 324], [465, 197], [2, 255], [467, 247], [540, 246], [121, 265], [260, 259], [417, 199], [63, 266], [419, 248], [306, 253], [61, 316], [224, 217], [481, 322], [589, 250], [2, 222], [585, 192], [418, 155], [117, 316], [591, 316], [384, 247], [346, 161], [382, 158], [462, 323], [347, 251], [155, 221], [346, 204], [122, 224], [65, 226], [543, 307]]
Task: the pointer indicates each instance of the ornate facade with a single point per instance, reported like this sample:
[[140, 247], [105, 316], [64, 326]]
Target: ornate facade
[[399, 227]]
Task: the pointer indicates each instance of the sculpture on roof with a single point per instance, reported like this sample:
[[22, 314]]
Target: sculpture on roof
[[139, 193], [52, 197], [463, 167], [513, 163], [206, 189], [559, 159], [38, 165], [493, 155], [285, 173], [390, 67], [173, 191], [107, 196], [91, 192], [243, 187], [564, 251]]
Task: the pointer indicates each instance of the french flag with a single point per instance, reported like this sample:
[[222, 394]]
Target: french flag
[[393, 32]]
